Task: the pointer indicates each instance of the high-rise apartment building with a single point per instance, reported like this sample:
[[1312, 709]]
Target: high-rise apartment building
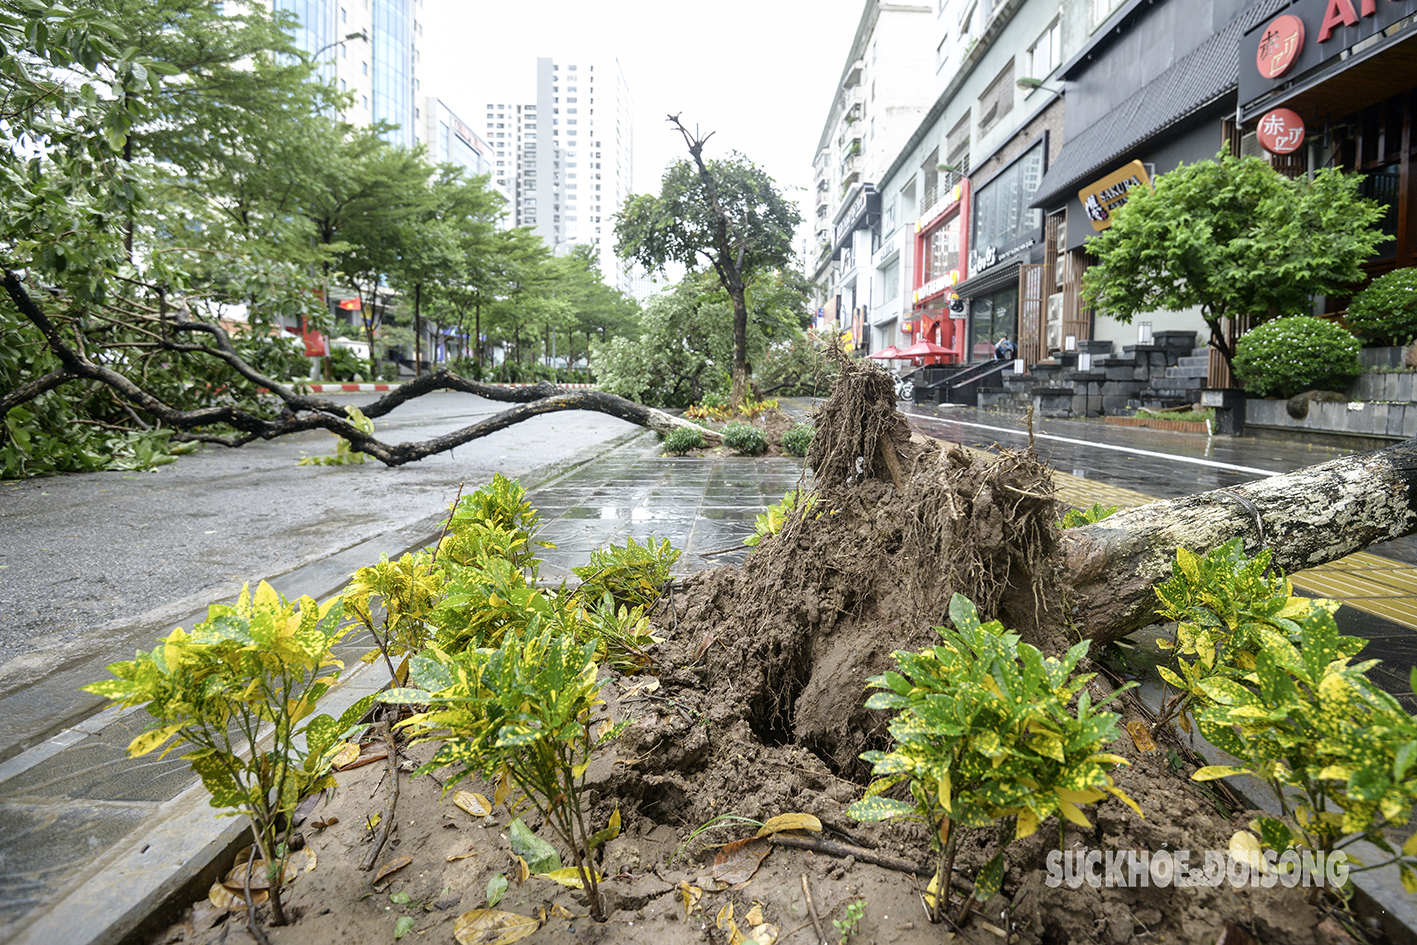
[[452, 141], [376, 47], [568, 158]]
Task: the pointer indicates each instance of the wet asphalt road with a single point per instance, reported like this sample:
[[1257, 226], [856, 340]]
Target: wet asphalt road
[[94, 566]]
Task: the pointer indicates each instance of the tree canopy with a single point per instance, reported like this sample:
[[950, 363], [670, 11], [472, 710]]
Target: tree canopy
[[685, 349], [179, 192], [726, 213], [1235, 238]]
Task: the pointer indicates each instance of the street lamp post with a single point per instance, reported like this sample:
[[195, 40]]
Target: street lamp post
[[335, 42]]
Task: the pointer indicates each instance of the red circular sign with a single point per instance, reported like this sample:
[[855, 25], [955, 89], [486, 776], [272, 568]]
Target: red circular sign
[[1281, 131], [1280, 44]]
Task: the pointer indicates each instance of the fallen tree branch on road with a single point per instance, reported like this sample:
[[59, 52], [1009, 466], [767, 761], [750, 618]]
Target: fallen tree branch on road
[[299, 412]]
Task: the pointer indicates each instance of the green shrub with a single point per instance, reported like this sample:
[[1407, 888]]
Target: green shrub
[[987, 732], [1385, 313], [682, 439], [797, 440], [745, 438], [1287, 356], [259, 665], [522, 713], [347, 366], [633, 575]]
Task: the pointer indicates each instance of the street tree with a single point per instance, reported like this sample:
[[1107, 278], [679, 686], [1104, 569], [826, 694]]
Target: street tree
[[1235, 238], [725, 212], [685, 348], [110, 350]]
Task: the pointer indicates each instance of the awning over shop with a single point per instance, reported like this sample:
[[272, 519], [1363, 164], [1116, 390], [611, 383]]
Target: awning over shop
[[1210, 72], [990, 280]]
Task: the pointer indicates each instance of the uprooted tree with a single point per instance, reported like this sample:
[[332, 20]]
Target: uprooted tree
[[901, 523]]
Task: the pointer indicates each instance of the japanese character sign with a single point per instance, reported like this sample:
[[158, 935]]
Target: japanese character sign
[[1280, 44], [1281, 131]]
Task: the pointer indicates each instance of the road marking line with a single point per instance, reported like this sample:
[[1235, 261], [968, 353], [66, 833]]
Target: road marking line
[[1213, 464]]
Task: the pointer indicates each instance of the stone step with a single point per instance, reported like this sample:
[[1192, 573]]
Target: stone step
[[1201, 371], [1194, 360]]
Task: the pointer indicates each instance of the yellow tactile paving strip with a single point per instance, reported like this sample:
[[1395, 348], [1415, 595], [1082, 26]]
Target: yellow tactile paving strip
[[1379, 586]]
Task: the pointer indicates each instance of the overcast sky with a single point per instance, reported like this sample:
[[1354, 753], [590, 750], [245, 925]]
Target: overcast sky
[[758, 73]]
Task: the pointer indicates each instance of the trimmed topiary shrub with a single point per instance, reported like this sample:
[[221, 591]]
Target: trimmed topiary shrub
[[682, 439], [1385, 313], [1287, 356], [745, 438], [798, 439]]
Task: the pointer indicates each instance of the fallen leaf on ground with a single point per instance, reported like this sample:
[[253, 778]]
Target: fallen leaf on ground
[[496, 887], [402, 926], [492, 927], [739, 860], [561, 912], [1141, 736], [368, 755], [474, 804], [348, 753], [726, 924], [755, 914], [764, 934], [690, 897], [570, 876], [235, 880], [221, 897], [329, 821], [454, 857], [790, 822], [391, 866], [540, 856]]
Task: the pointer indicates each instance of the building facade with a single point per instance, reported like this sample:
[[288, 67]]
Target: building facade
[[452, 141], [956, 218], [878, 99], [373, 51], [568, 158]]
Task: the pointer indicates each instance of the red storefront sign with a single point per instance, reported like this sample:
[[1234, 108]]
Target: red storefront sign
[[1280, 44], [1281, 131]]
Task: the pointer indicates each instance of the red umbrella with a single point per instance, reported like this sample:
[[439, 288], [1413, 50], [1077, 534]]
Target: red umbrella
[[886, 353], [924, 349]]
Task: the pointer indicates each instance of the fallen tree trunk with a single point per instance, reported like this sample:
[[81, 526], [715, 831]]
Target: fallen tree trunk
[[1305, 518]]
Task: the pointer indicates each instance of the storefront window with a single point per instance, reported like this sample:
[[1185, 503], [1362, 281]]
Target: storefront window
[[992, 316], [1000, 209], [944, 250]]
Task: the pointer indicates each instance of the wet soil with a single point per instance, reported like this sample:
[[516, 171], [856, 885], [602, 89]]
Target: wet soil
[[755, 709]]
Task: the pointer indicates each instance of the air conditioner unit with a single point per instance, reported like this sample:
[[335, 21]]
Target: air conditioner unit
[[1055, 321]]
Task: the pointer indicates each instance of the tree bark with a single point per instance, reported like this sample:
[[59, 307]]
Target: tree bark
[[1305, 518]]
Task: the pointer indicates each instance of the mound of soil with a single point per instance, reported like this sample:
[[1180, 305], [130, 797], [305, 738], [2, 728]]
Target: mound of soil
[[758, 710]]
